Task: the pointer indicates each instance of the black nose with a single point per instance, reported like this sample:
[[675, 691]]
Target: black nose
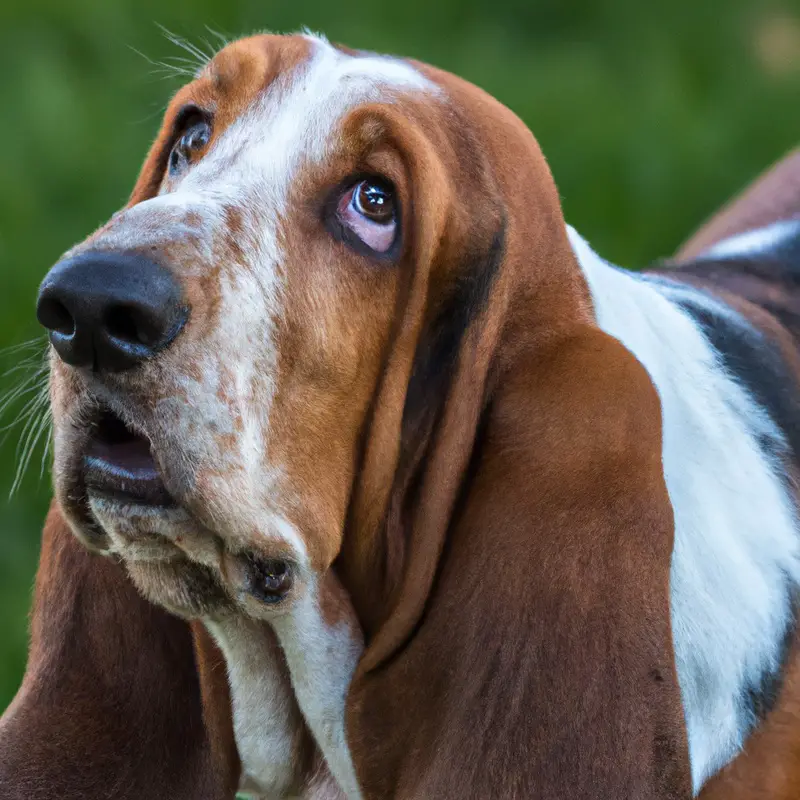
[[110, 310]]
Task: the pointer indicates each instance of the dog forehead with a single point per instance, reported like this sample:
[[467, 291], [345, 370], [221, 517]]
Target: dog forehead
[[290, 92]]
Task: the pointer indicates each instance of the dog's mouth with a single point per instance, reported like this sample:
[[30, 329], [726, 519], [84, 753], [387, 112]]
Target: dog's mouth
[[114, 486], [118, 463]]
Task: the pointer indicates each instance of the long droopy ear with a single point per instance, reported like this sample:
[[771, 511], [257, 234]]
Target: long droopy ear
[[111, 704], [527, 652], [543, 664]]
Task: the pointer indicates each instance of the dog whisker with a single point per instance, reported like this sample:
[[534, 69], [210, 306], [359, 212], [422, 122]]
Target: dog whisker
[[30, 384], [30, 395], [47, 450], [223, 40], [35, 427], [201, 58], [32, 406], [13, 349], [173, 68]]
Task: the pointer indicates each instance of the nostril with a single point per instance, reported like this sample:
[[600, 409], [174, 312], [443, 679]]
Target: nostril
[[133, 324], [55, 316], [122, 323]]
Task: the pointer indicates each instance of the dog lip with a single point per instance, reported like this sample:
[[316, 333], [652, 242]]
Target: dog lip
[[118, 463]]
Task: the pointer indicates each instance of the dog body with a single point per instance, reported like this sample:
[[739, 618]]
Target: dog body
[[468, 511], [729, 405]]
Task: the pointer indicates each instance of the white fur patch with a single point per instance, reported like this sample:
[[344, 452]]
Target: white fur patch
[[322, 659], [294, 120], [736, 539], [264, 711], [754, 242]]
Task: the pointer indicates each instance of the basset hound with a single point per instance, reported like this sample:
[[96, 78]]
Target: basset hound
[[454, 507]]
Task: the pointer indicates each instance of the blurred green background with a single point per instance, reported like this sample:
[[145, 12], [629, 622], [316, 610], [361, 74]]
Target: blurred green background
[[650, 113]]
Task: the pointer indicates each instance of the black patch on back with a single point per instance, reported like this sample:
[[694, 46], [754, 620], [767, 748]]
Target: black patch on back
[[747, 353], [779, 263], [776, 268], [755, 362]]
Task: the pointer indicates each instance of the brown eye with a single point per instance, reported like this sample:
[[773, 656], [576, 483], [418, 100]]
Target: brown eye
[[369, 210], [374, 200], [193, 140]]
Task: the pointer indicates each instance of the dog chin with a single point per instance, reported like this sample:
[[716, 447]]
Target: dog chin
[[147, 540], [183, 587]]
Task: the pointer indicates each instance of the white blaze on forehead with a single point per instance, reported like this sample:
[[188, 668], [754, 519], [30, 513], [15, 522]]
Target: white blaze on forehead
[[252, 164], [295, 119]]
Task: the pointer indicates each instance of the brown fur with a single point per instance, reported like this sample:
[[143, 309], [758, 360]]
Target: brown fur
[[111, 705], [486, 724]]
